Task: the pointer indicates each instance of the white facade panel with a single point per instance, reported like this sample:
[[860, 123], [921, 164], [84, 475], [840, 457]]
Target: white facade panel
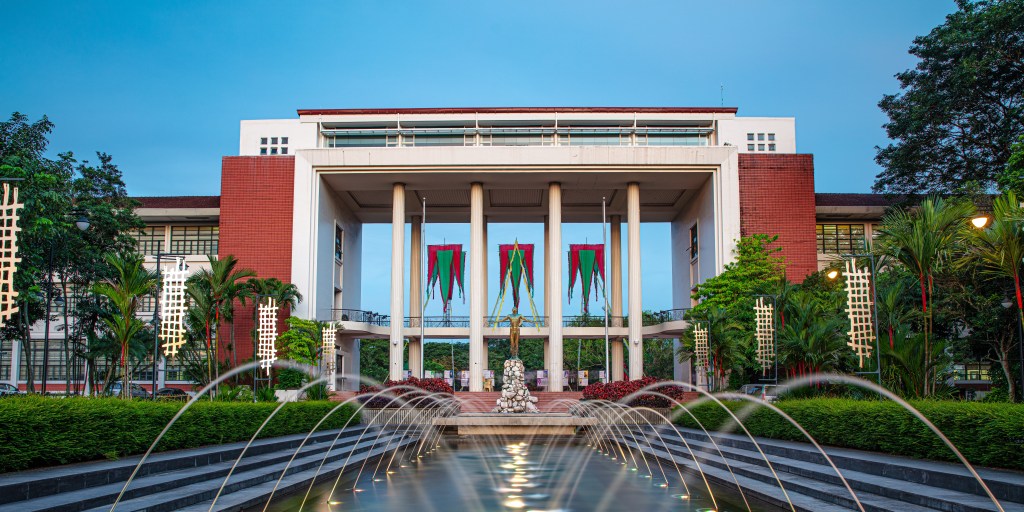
[[737, 132]]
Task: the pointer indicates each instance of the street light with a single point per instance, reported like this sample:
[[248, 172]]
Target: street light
[[1007, 302], [83, 225], [832, 274], [980, 221]]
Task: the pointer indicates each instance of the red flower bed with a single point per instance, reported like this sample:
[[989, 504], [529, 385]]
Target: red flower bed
[[616, 391], [387, 400]]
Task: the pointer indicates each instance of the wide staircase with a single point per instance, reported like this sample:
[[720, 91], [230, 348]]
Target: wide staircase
[[190, 479], [881, 482]]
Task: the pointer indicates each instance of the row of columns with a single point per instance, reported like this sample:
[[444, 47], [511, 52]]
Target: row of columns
[[553, 355]]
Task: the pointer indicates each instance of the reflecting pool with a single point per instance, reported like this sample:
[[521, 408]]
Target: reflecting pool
[[477, 474]]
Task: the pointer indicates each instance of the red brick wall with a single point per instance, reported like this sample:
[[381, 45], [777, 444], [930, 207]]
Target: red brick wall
[[777, 198], [256, 227]]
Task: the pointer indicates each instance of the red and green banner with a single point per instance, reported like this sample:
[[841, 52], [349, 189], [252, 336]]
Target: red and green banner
[[587, 262], [446, 264], [516, 261]]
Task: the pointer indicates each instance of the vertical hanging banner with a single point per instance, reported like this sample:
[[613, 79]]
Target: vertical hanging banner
[[8, 252], [858, 308], [267, 351], [173, 308], [587, 262], [446, 264], [764, 331], [516, 261]]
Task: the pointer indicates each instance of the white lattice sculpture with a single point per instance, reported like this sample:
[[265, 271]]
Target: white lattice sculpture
[[9, 252], [764, 331], [700, 346], [267, 351], [172, 307], [859, 309], [330, 335]]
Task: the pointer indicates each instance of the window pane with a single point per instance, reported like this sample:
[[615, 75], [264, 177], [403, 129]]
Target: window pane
[[750, 136], [194, 239], [771, 136], [273, 140], [263, 140], [150, 239], [750, 147], [840, 238], [284, 140]]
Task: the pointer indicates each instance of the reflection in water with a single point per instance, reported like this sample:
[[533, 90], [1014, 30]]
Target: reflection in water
[[495, 474]]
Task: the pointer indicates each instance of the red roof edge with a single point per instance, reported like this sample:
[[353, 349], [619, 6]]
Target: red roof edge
[[518, 110], [179, 201]]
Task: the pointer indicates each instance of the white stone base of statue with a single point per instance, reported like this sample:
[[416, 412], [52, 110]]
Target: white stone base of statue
[[515, 397]]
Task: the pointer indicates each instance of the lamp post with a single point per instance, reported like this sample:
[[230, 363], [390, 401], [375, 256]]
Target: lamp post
[[82, 223], [1020, 343], [156, 313]]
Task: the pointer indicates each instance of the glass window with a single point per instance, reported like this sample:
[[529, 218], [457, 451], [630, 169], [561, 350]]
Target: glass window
[[150, 239], [273, 150], [760, 147], [693, 242], [840, 238], [273, 140], [263, 140], [519, 139], [195, 239], [760, 136], [750, 147], [284, 140], [593, 139], [771, 136], [263, 151], [364, 141], [771, 147], [677, 139], [437, 140], [339, 243], [750, 136], [284, 150]]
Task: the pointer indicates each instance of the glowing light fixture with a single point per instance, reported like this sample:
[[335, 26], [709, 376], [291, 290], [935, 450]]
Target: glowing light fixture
[[268, 335], [980, 221], [173, 308], [9, 252], [832, 274]]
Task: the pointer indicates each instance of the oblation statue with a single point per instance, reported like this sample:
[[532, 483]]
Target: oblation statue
[[515, 320]]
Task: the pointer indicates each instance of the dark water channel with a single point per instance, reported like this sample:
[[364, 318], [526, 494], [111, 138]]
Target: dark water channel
[[466, 474]]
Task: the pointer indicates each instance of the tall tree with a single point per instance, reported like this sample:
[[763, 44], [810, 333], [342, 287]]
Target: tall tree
[[961, 107], [131, 282]]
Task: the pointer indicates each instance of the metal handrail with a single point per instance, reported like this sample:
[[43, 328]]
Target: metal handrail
[[360, 316], [489, 321], [668, 315]]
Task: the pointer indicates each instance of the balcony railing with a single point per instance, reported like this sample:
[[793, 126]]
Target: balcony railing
[[668, 315], [382, 320], [360, 316]]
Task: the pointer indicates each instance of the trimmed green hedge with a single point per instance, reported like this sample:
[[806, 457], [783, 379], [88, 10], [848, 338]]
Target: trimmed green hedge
[[987, 434], [37, 431]]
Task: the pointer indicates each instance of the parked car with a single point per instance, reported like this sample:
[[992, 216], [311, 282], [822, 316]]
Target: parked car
[[136, 390], [7, 389], [171, 394], [766, 392]]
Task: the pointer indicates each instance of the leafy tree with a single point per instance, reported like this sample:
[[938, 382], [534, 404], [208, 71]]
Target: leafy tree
[[757, 267], [962, 105], [223, 281], [924, 241], [728, 344], [813, 340], [125, 291], [1012, 178], [301, 343]]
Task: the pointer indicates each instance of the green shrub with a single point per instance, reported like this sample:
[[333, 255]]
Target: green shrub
[[37, 431], [987, 434]]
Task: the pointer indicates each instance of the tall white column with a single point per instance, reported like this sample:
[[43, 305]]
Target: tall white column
[[616, 348], [547, 291], [416, 295], [476, 286], [636, 342], [397, 281], [555, 287], [487, 299]]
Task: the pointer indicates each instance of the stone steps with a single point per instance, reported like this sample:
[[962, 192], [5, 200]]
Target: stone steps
[[880, 482]]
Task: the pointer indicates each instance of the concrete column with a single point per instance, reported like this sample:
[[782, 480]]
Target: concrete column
[[547, 291], [553, 248], [397, 281], [16, 361], [615, 347], [476, 291], [487, 299], [416, 295], [636, 342]]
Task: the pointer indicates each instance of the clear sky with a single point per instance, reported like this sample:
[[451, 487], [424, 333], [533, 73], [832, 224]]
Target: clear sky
[[162, 86]]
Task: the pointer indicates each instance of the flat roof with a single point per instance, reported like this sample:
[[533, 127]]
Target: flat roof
[[850, 199], [517, 110], [178, 201]]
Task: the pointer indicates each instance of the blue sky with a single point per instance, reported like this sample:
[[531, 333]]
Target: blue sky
[[162, 86]]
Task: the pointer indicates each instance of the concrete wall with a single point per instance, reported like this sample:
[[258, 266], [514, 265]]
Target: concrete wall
[[734, 132], [699, 210]]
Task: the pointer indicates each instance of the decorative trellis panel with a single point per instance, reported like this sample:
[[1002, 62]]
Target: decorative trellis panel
[[172, 307], [700, 346], [9, 252], [329, 335], [764, 323], [267, 351], [859, 309]]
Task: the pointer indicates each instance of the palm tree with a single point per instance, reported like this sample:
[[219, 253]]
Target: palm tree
[[813, 340], [284, 294], [226, 285], [129, 284], [200, 320], [893, 313], [923, 241], [727, 345], [1000, 250]]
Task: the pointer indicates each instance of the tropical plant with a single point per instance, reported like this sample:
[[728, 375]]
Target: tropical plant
[[813, 339], [125, 290], [223, 282], [924, 240], [728, 342]]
